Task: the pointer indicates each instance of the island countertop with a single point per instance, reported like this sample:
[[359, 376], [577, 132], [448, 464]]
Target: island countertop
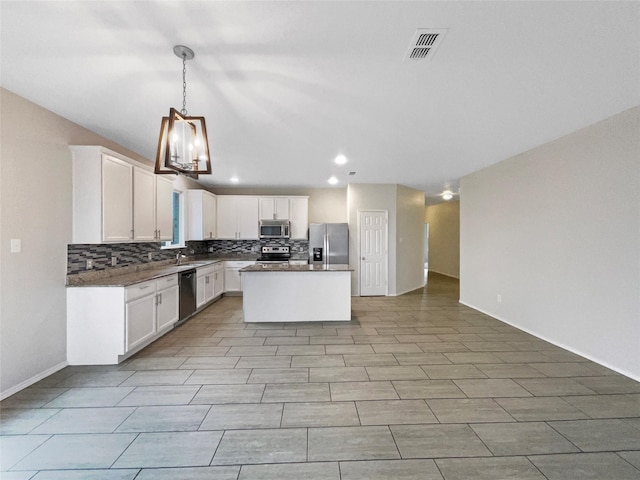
[[278, 267]]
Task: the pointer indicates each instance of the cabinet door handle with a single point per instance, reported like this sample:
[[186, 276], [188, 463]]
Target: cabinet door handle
[[146, 286], [131, 234], [159, 299]]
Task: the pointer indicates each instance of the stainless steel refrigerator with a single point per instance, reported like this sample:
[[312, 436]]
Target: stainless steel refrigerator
[[329, 243]]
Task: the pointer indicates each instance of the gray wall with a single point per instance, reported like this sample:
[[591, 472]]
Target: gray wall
[[556, 232], [405, 207], [444, 238], [409, 239], [35, 207]]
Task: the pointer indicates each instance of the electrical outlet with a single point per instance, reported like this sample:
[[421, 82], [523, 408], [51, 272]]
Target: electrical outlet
[[89, 263], [114, 260], [150, 255], [499, 298]]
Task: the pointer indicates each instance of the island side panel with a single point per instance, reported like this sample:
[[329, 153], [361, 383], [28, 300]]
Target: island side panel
[[296, 296]]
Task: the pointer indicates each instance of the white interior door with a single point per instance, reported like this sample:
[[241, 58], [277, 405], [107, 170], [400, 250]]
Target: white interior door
[[373, 253]]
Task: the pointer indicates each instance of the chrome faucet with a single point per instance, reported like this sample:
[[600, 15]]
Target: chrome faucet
[[179, 257]]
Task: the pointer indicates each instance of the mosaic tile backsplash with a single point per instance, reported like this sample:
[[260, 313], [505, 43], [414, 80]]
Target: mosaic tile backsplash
[[131, 254]]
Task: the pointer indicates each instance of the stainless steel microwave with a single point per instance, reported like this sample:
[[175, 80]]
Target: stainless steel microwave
[[275, 228]]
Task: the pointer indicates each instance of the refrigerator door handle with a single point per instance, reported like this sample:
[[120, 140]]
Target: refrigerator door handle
[[327, 250]]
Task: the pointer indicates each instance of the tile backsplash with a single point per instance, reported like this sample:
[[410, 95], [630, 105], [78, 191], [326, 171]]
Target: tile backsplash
[[132, 254]]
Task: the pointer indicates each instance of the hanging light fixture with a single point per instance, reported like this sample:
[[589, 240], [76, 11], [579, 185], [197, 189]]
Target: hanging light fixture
[[183, 146]]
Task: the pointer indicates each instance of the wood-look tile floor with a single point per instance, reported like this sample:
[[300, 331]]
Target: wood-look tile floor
[[415, 387]]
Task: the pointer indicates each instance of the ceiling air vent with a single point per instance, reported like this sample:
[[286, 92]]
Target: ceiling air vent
[[424, 44]]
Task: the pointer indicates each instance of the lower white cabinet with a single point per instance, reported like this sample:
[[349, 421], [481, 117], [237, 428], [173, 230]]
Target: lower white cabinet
[[232, 277], [105, 325], [167, 302], [209, 283], [218, 280], [140, 314]]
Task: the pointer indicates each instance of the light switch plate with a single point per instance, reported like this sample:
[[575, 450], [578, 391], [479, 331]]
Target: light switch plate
[[89, 264], [16, 245]]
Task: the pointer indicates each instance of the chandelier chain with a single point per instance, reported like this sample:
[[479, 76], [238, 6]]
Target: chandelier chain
[[184, 85]]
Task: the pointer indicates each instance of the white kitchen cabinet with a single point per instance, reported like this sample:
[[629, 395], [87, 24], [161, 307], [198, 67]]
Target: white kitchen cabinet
[[167, 302], [274, 208], [164, 208], [237, 217], [218, 279], [115, 199], [140, 316], [105, 325], [152, 207], [232, 276], [204, 285], [144, 205], [116, 202], [299, 217], [201, 218]]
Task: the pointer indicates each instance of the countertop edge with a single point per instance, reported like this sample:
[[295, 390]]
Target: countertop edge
[[126, 279], [296, 268]]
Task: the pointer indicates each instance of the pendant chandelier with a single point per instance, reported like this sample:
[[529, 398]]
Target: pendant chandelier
[[183, 146]]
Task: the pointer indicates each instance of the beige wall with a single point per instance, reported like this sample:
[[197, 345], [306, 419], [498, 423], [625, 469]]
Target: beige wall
[[35, 207], [405, 207], [444, 238], [555, 232], [409, 239], [326, 205]]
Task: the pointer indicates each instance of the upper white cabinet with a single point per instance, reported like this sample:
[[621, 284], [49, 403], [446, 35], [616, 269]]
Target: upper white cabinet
[[116, 199], [144, 205], [152, 207], [237, 217], [294, 209], [274, 208], [299, 217], [164, 208], [201, 223], [113, 203]]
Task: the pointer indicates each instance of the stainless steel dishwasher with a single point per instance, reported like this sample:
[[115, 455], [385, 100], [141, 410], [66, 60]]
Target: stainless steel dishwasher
[[187, 294]]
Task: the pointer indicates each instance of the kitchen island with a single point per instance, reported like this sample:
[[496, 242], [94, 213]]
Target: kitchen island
[[296, 293]]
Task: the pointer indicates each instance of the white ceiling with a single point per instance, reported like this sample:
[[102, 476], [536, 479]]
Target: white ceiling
[[286, 86]]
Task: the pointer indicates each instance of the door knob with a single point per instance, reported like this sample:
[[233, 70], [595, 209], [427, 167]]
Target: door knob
[[363, 258]]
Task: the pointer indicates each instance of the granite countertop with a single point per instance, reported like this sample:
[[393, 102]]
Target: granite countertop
[[126, 276], [278, 267]]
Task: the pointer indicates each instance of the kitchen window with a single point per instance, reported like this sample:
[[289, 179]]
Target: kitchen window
[[177, 240]]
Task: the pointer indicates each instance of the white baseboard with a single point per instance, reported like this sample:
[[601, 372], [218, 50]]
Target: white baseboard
[[32, 380], [397, 294], [557, 344], [445, 274]]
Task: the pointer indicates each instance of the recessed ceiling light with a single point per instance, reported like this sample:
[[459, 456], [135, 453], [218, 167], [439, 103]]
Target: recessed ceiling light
[[234, 179], [333, 180], [340, 160], [447, 195]]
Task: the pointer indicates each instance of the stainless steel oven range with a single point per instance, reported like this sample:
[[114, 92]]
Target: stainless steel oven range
[[274, 255]]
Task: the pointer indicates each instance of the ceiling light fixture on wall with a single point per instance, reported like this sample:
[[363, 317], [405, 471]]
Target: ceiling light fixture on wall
[[183, 146]]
